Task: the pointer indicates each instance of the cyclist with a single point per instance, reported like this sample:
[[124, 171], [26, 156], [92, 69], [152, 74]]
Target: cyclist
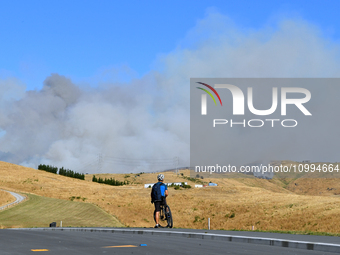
[[158, 194]]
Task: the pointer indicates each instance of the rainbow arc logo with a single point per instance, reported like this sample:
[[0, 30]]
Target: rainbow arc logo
[[209, 93]]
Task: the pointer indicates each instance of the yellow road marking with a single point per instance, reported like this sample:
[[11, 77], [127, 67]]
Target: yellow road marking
[[119, 246], [39, 249]]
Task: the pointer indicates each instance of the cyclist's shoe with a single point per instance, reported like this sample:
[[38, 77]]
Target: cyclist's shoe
[[157, 226], [162, 217]]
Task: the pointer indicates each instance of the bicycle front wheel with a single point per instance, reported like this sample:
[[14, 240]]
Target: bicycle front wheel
[[168, 217]]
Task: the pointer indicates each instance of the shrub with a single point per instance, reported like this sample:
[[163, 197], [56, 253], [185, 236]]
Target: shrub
[[62, 171], [110, 181], [185, 186]]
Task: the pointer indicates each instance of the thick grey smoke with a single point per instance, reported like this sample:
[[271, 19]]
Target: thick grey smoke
[[66, 126], [105, 128]]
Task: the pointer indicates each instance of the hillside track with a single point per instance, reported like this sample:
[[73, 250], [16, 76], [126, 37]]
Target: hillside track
[[18, 199]]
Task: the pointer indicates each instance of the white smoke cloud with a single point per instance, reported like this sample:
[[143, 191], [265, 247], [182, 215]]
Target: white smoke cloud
[[68, 125]]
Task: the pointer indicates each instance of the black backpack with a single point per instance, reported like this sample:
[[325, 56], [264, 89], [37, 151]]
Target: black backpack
[[156, 194]]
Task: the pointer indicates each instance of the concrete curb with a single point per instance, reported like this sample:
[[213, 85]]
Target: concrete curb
[[325, 247]]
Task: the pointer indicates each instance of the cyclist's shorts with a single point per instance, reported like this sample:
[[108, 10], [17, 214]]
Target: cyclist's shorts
[[158, 205]]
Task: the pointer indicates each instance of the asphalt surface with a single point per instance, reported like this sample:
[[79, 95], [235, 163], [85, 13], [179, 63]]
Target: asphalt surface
[[103, 241], [18, 198]]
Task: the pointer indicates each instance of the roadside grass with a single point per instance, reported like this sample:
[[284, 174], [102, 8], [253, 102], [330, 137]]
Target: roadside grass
[[40, 211]]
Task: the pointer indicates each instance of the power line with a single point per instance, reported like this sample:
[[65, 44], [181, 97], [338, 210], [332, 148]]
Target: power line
[[149, 164]]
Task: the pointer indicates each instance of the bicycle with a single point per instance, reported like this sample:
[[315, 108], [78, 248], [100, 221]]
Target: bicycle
[[165, 215]]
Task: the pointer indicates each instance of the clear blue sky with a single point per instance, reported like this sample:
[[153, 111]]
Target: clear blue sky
[[79, 38]]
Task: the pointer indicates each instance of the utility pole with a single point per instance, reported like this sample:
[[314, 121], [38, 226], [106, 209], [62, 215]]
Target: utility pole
[[176, 162], [100, 163]]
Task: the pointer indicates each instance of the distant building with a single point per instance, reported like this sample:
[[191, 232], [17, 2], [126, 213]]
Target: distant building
[[175, 183], [212, 184], [149, 185]]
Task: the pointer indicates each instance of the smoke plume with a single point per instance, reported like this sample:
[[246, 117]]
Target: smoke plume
[[143, 124]]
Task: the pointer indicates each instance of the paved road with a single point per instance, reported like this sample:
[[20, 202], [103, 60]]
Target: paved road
[[66, 242], [18, 198]]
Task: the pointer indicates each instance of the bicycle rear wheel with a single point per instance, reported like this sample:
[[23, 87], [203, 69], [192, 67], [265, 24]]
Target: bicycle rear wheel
[[161, 214], [168, 216]]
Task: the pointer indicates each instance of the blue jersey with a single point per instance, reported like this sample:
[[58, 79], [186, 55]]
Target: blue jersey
[[158, 191]]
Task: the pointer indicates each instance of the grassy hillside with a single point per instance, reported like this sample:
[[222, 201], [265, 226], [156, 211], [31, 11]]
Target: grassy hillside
[[40, 211], [234, 204]]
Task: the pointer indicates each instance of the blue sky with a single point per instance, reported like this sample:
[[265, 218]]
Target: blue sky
[[80, 39]]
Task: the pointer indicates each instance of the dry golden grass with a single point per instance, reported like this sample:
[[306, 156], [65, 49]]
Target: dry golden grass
[[5, 198], [234, 204]]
